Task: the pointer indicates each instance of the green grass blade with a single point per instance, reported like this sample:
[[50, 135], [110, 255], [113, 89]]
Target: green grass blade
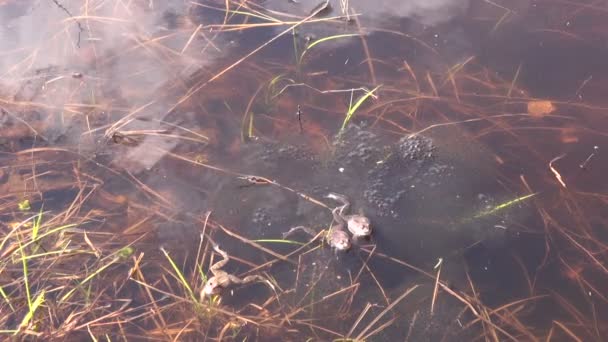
[[250, 130], [353, 109], [50, 232], [25, 277], [290, 242], [258, 16], [9, 235], [325, 39], [202, 273], [271, 89], [179, 274], [273, 82], [246, 126], [30, 314], [63, 252], [36, 227], [505, 205], [5, 296], [87, 279]]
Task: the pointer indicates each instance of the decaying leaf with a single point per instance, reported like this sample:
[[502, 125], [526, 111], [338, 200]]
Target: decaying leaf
[[540, 108]]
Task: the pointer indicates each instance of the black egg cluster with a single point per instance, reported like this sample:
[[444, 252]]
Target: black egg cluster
[[387, 183], [381, 174], [362, 152], [357, 147], [294, 153], [385, 173], [261, 216], [385, 204], [416, 147], [436, 173], [273, 151]]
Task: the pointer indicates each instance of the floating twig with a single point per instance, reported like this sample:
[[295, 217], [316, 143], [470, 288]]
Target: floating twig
[[555, 172], [584, 164], [299, 115], [67, 11]]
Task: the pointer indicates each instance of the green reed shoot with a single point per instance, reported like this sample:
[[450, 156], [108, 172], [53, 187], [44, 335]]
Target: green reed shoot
[[87, 279], [247, 126], [36, 226], [289, 242], [250, 130], [504, 205], [353, 108], [50, 232], [30, 314], [32, 305], [7, 237], [63, 252], [323, 40], [8, 331], [180, 275], [6, 298], [25, 276], [271, 92], [260, 16], [202, 273]]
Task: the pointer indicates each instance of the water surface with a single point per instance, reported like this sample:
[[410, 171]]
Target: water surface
[[481, 147]]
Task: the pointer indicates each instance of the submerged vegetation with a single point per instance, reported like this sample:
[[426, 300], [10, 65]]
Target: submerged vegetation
[[128, 145]]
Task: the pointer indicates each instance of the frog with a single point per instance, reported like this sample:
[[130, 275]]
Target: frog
[[336, 237], [222, 279], [357, 224]]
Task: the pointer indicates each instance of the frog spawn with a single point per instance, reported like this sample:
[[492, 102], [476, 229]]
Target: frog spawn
[[376, 174], [381, 173], [417, 189]]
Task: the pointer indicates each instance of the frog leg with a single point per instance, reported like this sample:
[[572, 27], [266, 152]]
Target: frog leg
[[215, 268], [248, 279], [343, 208], [306, 230], [337, 215], [339, 198]]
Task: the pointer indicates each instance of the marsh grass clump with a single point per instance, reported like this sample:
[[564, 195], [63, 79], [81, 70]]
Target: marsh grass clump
[[57, 271]]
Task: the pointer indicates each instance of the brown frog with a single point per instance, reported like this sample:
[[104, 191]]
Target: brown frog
[[222, 279], [359, 225], [336, 237]]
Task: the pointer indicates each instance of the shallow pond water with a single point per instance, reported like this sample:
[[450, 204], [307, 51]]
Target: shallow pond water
[[471, 133]]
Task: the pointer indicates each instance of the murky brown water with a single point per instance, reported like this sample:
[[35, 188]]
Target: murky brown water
[[148, 113]]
